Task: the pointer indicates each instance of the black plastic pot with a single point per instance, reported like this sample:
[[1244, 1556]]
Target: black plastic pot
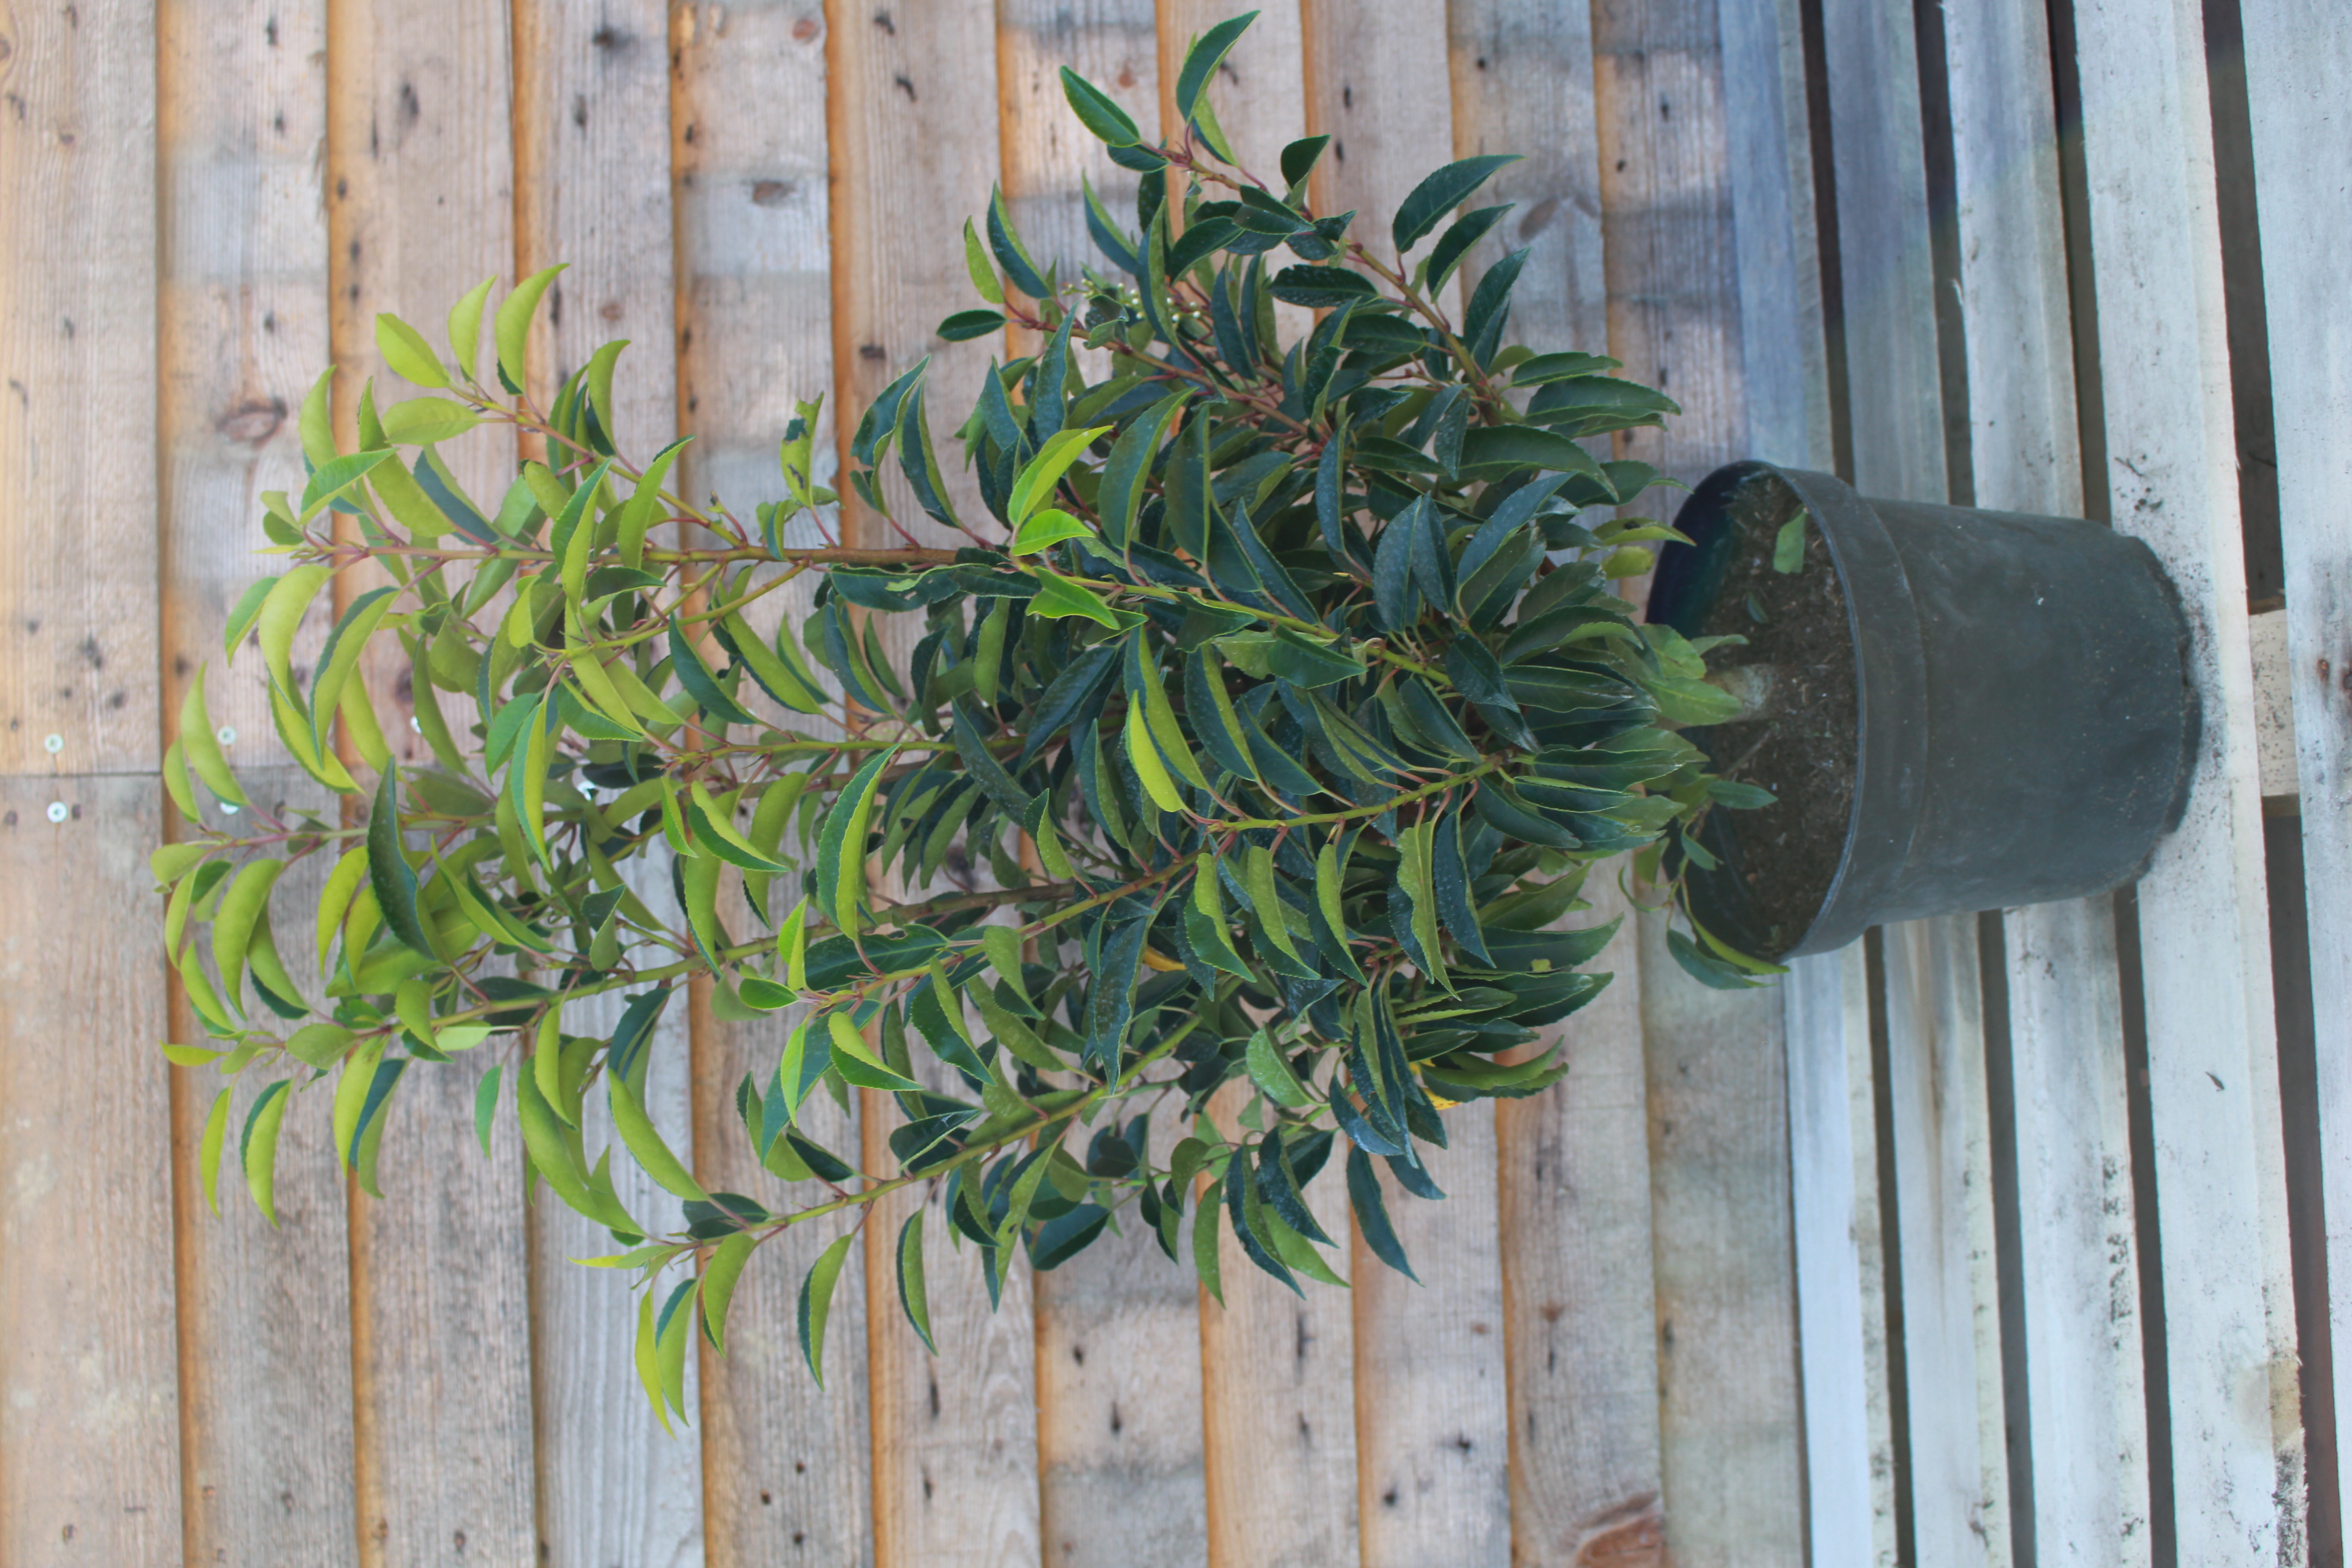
[[2023, 717]]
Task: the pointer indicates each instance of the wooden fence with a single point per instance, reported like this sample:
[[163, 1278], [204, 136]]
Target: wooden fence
[[1992, 1239]]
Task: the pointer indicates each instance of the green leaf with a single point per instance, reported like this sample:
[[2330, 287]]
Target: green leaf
[[1202, 60], [1788, 544], [465, 325], [1097, 112], [912, 1294], [1127, 470], [1010, 254], [1455, 243], [258, 1153], [672, 1330], [406, 351], [1044, 529], [841, 847], [1705, 967], [241, 617], [965, 325], [1035, 486], [486, 1105], [719, 1279], [856, 1062], [208, 1153], [646, 1144], [648, 1358], [389, 872], [1501, 446], [1059, 596], [337, 475], [1440, 194], [1271, 1071], [1320, 288], [1205, 1262], [421, 421], [1372, 1215], [816, 1302], [512, 326]]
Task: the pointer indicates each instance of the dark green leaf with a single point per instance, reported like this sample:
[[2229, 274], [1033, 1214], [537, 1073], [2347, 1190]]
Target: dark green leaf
[[1097, 112], [1455, 242], [1319, 288], [816, 1302], [1372, 1215], [966, 325], [1440, 194], [389, 872], [1200, 62]]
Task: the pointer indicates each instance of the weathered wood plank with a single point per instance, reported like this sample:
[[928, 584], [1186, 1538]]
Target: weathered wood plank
[[1731, 1441], [421, 208], [78, 470], [1279, 1397], [1841, 1263], [2298, 54], [786, 1465], [592, 174], [2229, 1306], [1935, 1024], [1046, 154], [613, 1486], [264, 1315], [88, 1409], [2085, 1383]]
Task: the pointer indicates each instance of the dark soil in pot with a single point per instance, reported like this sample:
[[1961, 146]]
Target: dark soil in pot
[[1803, 750]]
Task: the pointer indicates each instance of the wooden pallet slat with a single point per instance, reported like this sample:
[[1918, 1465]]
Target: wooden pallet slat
[[2086, 1394], [2229, 1334], [2297, 55], [421, 208]]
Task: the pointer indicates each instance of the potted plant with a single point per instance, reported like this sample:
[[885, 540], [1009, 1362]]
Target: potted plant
[[1275, 692], [1954, 709]]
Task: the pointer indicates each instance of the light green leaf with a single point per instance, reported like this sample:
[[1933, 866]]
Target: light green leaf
[[512, 329], [466, 326], [718, 1279], [406, 351], [486, 1105], [1271, 1071], [1044, 527], [208, 1153], [1034, 485], [1788, 544], [912, 1294], [644, 1143], [258, 1151], [1059, 596], [976, 262], [816, 1302], [422, 421]]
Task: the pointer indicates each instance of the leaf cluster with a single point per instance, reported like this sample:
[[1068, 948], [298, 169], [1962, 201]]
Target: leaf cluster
[[1241, 758]]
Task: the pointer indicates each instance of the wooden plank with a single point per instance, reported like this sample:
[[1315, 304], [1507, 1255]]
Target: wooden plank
[[1279, 1398], [912, 124], [1432, 1420], [1118, 1348], [2229, 1303], [2297, 55], [265, 1348], [264, 1314], [421, 208], [593, 180], [1118, 1401], [1580, 1324], [1841, 1263], [786, 1464], [1730, 1438], [1935, 1024], [77, 469], [613, 1486], [2086, 1381], [88, 1407]]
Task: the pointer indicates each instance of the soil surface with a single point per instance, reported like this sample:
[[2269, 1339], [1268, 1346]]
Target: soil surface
[[1805, 751]]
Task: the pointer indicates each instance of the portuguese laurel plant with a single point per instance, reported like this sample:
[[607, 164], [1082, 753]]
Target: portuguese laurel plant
[[1261, 728]]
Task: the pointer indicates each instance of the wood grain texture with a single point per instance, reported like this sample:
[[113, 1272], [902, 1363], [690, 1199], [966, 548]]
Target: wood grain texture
[[2230, 1330], [1943, 1196], [785, 1463], [77, 469], [955, 1435], [1432, 1420], [421, 208], [1841, 1324], [265, 1314], [1522, 75], [1278, 1395], [1119, 1461], [613, 1486], [1730, 1438], [2085, 1382], [2297, 54], [1579, 1312], [242, 327], [90, 1467], [593, 179], [1373, 86]]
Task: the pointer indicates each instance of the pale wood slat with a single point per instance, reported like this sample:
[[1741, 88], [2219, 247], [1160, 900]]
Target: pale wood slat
[[2298, 55], [1432, 1420], [1841, 1262], [2228, 1307], [421, 208], [786, 1464], [2085, 1383], [78, 470], [265, 1315], [1573, 1192], [593, 171], [1120, 1475], [1731, 1441], [955, 1438], [90, 1464], [1936, 1090]]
